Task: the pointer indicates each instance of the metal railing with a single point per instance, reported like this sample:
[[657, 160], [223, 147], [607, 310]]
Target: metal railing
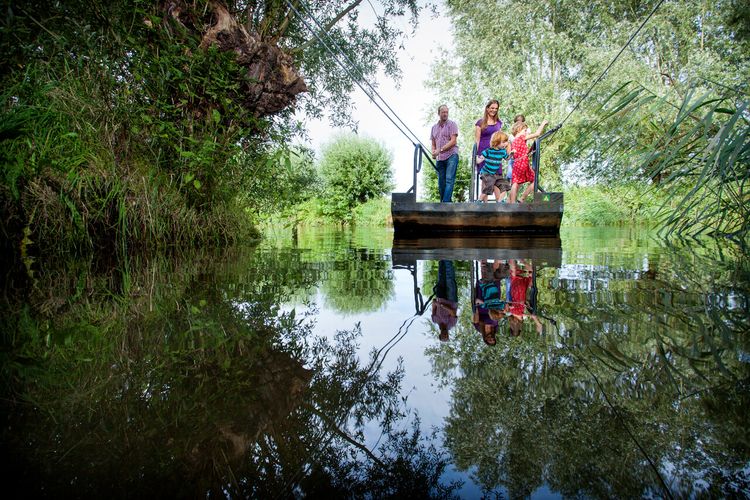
[[419, 153]]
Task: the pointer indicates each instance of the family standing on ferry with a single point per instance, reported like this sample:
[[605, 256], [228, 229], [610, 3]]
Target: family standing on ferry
[[493, 147]]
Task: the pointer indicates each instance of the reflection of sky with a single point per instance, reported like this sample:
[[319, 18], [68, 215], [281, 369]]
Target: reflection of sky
[[378, 328], [587, 274]]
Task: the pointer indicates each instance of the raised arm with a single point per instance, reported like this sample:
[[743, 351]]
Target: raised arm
[[538, 132]]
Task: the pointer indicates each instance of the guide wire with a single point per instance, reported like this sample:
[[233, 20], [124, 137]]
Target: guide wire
[[361, 74], [611, 63], [617, 413], [353, 77]]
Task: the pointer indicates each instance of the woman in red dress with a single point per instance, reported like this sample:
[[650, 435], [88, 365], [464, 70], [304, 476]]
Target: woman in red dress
[[522, 172]]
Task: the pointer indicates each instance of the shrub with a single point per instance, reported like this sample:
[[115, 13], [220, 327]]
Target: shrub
[[353, 170]]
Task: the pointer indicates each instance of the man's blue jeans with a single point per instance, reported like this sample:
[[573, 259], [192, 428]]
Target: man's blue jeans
[[446, 170]]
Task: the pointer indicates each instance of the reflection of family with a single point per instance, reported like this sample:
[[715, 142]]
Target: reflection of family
[[491, 307], [521, 279], [493, 146]]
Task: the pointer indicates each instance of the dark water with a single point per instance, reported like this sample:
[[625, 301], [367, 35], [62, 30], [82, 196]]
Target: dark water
[[313, 367]]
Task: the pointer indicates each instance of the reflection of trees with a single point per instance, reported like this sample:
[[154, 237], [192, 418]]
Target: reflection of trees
[[181, 378], [664, 343], [350, 267], [361, 282]]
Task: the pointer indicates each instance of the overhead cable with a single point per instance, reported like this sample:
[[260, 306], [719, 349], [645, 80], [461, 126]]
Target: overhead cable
[[361, 74], [611, 63], [353, 77]]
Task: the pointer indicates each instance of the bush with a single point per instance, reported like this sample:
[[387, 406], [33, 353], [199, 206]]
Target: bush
[[353, 170]]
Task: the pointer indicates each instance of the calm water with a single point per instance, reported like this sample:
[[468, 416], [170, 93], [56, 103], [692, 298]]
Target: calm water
[[600, 364]]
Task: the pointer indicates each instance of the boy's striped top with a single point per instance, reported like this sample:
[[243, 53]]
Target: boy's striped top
[[493, 161]]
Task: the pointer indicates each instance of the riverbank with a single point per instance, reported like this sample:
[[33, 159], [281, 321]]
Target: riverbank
[[585, 206]]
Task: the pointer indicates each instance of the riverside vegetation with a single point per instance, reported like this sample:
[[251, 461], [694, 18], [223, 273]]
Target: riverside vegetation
[[668, 123], [154, 124], [137, 125]]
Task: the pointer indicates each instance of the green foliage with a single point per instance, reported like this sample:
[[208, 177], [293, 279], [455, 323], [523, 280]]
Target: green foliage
[[353, 170], [616, 205], [315, 213], [289, 181], [375, 212], [550, 54], [120, 125], [700, 158]]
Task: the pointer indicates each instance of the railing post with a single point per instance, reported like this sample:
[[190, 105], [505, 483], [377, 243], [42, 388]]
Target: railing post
[[473, 163], [535, 163], [537, 156], [417, 168]]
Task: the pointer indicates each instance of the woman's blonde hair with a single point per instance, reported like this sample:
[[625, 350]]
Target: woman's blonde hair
[[498, 138], [517, 127]]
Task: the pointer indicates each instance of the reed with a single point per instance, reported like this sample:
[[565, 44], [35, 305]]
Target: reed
[[696, 152]]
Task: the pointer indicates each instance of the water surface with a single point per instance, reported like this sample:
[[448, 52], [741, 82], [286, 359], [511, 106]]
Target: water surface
[[603, 363]]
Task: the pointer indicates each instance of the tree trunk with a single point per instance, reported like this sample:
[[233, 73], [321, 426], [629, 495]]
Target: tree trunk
[[273, 80]]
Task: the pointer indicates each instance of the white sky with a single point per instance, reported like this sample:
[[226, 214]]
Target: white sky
[[412, 101]]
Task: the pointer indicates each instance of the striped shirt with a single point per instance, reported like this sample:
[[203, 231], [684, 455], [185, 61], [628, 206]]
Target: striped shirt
[[493, 161]]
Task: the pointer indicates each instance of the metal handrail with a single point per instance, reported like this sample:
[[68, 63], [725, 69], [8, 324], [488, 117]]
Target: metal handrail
[[536, 157], [474, 177], [419, 153]]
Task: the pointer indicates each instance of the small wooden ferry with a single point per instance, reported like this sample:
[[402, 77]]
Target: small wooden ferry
[[543, 215], [410, 216]]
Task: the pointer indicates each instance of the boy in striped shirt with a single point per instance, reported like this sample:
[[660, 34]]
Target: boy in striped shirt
[[491, 174]]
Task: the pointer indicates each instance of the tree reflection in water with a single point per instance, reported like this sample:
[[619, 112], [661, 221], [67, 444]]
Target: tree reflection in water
[[638, 388], [183, 377], [193, 376]]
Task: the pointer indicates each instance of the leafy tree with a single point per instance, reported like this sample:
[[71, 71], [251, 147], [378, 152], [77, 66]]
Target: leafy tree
[[155, 122], [551, 53], [353, 169]]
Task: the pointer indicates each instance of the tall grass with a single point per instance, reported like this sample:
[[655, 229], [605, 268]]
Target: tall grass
[[614, 205], [698, 154], [77, 176]]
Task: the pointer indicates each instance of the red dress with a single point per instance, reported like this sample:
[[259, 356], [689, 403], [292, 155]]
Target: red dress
[[518, 287], [521, 170]]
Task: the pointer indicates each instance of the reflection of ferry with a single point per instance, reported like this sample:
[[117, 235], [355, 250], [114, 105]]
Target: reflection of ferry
[[545, 250]]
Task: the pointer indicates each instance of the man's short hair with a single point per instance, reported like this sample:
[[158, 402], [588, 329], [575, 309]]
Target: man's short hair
[[441, 107]]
